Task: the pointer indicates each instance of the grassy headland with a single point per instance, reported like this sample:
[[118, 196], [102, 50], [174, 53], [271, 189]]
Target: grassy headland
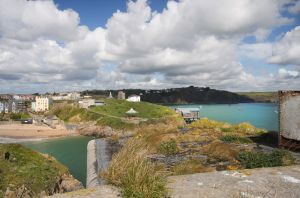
[[113, 114], [27, 171], [261, 96]]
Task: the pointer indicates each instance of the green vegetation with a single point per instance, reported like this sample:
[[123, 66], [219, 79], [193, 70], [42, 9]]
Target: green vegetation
[[29, 168], [115, 123], [205, 145], [113, 114], [19, 116], [189, 167], [168, 148], [119, 108], [261, 96], [134, 173], [256, 160], [235, 139]]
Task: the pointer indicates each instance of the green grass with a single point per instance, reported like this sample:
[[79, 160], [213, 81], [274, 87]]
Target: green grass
[[261, 96], [28, 167], [119, 108], [168, 148], [115, 123], [131, 170], [112, 113], [18, 116], [257, 160], [235, 139]]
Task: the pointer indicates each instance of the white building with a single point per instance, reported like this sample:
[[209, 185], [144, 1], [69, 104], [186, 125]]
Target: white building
[[40, 104], [67, 96], [134, 98], [86, 103]]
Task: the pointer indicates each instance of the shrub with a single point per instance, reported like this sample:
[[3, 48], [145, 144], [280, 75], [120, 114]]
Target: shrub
[[131, 170], [256, 160], [18, 116], [235, 139], [229, 129], [221, 151], [168, 148]]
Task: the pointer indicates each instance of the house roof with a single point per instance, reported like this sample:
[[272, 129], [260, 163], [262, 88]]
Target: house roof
[[131, 111]]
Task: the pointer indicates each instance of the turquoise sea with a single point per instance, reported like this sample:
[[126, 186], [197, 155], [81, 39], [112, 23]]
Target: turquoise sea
[[262, 115], [71, 151]]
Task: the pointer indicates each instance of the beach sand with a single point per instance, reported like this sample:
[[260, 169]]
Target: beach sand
[[33, 131]]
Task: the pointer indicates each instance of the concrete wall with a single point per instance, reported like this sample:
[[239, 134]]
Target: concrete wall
[[289, 114]]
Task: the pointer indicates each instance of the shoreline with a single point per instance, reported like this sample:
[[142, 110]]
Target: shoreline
[[21, 132]]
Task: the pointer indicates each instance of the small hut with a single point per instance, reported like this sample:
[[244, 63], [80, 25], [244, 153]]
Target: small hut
[[131, 112]]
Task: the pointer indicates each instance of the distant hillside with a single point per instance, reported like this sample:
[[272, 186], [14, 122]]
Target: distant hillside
[[261, 96], [186, 95]]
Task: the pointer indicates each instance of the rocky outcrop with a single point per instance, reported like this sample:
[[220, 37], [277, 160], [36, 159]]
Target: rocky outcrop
[[91, 129]]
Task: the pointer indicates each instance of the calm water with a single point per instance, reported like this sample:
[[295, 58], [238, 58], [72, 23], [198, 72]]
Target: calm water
[[70, 151], [262, 115]]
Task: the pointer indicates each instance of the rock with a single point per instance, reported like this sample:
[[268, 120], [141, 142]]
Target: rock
[[69, 183], [93, 130], [9, 193]]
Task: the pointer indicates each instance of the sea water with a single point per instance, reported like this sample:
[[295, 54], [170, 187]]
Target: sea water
[[70, 151], [262, 115]]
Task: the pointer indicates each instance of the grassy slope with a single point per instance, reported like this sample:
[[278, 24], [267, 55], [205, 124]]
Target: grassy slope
[[112, 113], [261, 96], [145, 110], [28, 167]]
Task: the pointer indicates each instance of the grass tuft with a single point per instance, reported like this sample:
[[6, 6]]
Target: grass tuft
[[189, 167], [131, 170], [168, 148], [235, 139]]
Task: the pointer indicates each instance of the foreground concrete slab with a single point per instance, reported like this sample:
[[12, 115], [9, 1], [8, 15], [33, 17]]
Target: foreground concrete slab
[[263, 182]]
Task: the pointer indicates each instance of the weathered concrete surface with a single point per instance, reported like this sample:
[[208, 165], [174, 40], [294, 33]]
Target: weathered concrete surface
[[99, 154], [102, 157], [104, 191], [289, 114], [92, 166], [264, 182]]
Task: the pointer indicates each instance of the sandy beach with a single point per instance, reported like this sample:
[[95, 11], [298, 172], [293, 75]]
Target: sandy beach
[[33, 131]]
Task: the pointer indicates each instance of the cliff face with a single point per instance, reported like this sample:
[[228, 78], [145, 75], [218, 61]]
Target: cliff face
[[185, 95]]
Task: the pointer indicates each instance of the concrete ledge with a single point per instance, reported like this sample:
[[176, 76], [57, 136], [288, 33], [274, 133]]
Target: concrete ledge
[[250, 183], [92, 166]]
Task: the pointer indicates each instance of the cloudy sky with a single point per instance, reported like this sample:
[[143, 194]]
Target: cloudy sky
[[236, 45]]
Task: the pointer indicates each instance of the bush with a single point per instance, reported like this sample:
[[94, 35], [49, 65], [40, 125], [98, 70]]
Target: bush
[[257, 160], [18, 116], [131, 170], [168, 148], [235, 139]]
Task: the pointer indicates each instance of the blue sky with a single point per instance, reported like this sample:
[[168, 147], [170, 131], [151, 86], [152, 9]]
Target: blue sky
[[95, 13], [64, 45]]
